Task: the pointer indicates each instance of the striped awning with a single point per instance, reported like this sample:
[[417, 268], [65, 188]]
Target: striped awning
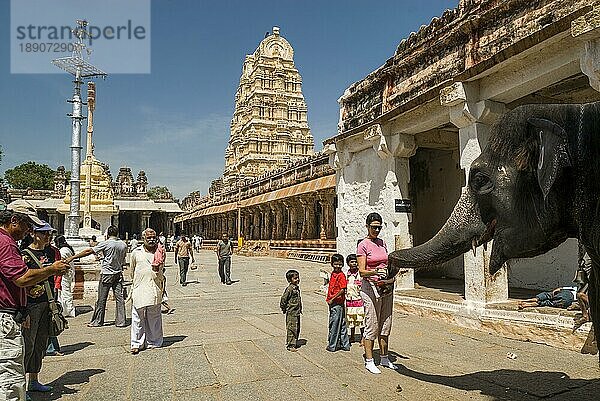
[[282, 193]]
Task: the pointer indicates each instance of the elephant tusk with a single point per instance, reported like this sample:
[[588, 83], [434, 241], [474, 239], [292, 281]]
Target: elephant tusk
[[474, 246], [488, 234]]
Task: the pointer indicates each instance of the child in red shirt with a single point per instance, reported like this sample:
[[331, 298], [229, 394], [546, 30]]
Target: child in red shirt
[[338, 333]]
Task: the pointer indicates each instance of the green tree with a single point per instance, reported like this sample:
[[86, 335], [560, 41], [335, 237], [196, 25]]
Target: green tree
[[30, 175], [158, 192]]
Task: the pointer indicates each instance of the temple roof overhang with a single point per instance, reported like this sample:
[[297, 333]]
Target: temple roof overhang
[[147, 205], [294, 190]]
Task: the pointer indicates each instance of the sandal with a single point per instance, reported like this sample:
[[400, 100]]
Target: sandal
[[135, 351]]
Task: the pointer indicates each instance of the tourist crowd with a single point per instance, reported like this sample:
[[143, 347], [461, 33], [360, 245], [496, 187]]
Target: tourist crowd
[[37, 279]]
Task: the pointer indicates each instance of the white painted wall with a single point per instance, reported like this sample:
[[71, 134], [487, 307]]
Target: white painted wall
[[370, 184], [556, 268]]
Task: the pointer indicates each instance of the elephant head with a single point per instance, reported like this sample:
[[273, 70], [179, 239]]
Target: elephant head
[[520, 192]]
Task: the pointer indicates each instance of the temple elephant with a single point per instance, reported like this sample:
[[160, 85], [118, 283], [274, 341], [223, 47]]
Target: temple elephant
[[536, 183]]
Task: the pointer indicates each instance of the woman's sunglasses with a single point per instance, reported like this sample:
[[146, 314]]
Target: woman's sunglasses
[[376, 228]]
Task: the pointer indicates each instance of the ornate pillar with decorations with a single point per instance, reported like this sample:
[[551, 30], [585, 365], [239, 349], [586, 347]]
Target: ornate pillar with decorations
[[145, 220], [308, 227], [256, 223], [274, 221], [290, 230], [474, 118], [279, 220]]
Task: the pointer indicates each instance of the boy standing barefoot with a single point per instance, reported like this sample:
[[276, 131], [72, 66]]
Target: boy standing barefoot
[[291, 306], [338, 334]]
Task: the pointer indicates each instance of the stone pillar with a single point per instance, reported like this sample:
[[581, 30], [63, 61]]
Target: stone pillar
[[291, 221], [308, 226], [279, 228], [52, 219], [586, 29], [266, 229], [273, 232], [261, 227], [232, 229], [331, 226], [473, 117], [327, 218], [255, 233], [285, 220]]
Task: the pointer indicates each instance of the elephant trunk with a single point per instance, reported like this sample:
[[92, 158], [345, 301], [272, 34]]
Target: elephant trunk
[[463, 229]]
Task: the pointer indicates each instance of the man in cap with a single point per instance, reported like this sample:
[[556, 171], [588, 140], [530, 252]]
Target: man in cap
[[16, 221]]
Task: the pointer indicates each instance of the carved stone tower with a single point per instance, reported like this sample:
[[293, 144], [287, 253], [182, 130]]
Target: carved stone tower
[[141, 185], [269, 128]]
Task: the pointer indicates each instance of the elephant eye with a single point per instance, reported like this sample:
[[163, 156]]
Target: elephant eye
[[481, 183]]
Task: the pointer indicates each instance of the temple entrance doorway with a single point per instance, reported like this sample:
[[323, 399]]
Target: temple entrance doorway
[[435, 186], [129, 224]]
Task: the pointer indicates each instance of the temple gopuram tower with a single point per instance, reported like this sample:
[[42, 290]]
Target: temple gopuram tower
[[269, 128]]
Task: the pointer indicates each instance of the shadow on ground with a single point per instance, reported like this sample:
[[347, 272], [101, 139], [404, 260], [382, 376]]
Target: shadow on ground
[[59, 385], [72, 348], [507, 384], [170, 340], [394, 356], [82, 310]]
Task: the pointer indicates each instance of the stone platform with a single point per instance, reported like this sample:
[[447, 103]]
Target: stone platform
[[442, 299]]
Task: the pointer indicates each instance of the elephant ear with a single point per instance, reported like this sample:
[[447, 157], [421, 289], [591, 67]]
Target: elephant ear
[[554, 155]]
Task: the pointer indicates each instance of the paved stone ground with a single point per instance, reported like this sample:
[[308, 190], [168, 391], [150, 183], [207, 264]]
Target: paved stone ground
[[227, 343]]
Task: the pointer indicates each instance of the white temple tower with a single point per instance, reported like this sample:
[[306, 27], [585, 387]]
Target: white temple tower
[[269, 128]]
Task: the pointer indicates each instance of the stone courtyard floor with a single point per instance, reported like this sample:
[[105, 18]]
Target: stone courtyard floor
[[227, 343]]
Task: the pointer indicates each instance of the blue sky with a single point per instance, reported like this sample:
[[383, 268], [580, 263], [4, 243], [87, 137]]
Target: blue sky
[[174, 122]]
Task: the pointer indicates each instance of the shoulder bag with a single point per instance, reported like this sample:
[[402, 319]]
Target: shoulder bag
[[58, 323]]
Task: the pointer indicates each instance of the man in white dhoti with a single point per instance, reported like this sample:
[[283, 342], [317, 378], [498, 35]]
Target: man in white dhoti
[[146, 294]]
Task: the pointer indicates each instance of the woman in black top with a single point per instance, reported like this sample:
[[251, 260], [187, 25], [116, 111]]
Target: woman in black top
[[36, 335]]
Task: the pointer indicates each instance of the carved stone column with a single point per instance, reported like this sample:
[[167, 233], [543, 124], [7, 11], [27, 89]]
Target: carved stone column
[[220, 226], [327, 218], [232, 226], [273, 231], [308, 228], [145, 220], [256, 223], [279, 221], [52, 219], [586, 29], [267, 223], [474, 117], [331, 228], [290, 209]]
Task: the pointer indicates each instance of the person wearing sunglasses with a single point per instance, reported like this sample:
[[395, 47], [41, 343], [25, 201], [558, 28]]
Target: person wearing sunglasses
[[38, 255], [16, 221], [376, 292]]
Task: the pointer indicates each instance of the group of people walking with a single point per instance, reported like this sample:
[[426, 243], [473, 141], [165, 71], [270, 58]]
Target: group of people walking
[[360, 299]]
